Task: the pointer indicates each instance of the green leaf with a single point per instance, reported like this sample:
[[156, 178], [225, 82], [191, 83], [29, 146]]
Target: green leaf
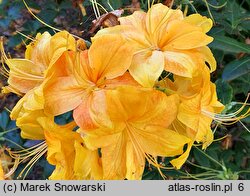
[[201, 159], [228, 44], [224, 91], [4, 120], [241, 84], [236, 69]]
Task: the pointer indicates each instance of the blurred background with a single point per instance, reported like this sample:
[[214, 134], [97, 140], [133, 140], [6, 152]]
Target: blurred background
[[229, 155]]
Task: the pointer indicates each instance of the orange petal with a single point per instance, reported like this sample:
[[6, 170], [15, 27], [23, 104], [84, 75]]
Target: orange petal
[[159, 141], [63, 94], [38, 51], [136, 20], [125, 79], [91, 113], [60, 42], [113, 149], [179, 63], [181, 35], [109, 61], [135, 162], [82, 113], [24, 75], [157, 19]]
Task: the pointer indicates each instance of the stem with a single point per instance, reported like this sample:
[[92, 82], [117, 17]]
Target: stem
[[209, 11], [212, 159]]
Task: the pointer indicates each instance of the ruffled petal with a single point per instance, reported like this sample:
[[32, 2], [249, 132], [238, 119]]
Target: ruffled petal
[[87, 163], [60, 42], [199, 21], [208, 57], [178, 162]]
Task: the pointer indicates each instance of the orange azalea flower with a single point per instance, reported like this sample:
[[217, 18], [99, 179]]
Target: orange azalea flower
[[26, 76], [164, 39], [138, 129], [75, 86]]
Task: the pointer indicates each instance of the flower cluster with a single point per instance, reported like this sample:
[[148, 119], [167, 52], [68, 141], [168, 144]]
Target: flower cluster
[[142, 90]]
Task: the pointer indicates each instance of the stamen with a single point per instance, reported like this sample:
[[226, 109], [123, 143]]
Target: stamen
[[151, 160], [15, 71], [229, 119], [26, 36], [21, 156]]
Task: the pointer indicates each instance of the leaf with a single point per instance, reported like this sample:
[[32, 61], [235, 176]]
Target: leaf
[[15, 41], [236, 69], [224, 91], [201, 159], [47, 15], [228, 44], [4, 120], [245, 136], [14, 12], [241, 84]]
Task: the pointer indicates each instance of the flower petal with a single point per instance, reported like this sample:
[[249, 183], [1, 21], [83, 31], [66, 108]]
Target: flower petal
[[157, 19], [159, 141], [147, 67], [179, 63], [178, 162], [1, 171], [107, 59], [200, 21], [113, 149], [207, 56], [24, 74], [60, 42], [87, 163], [63, 94], [181, 35], [135, 162]]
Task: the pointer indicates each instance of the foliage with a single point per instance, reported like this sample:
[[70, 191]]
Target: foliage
[[227, 158]]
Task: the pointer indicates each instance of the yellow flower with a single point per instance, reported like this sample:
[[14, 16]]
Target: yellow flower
[[75, 86], [27, 73], [197, 95], [1, 171], [66, 150], [27, 76], [138, 130], [26, 112], [164, 40], [193, 114]]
